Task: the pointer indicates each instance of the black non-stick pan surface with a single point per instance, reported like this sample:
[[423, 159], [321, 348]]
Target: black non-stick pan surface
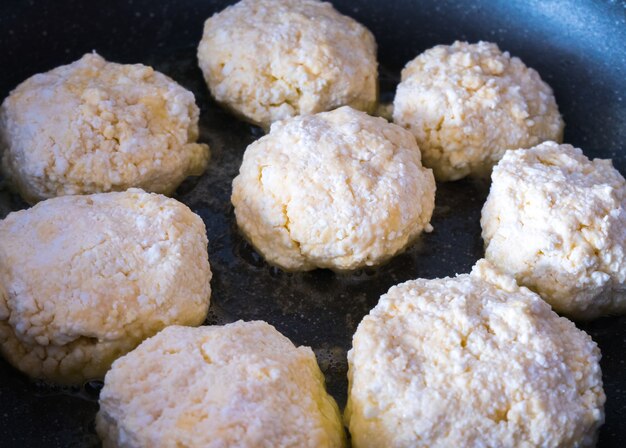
[[578, 47]]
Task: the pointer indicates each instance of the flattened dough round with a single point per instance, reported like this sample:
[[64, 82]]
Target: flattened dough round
[[337, 190], [84, 279], [468, 103], [557, 222], [272, 59], [95, 126], [471, 361], [242, 384]]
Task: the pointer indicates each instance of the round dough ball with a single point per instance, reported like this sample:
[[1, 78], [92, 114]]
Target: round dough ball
[[94, 126], [84, 279], [337, 190], [471, 361], [242, 384], [556, 221], [467, 103], [272, 59]]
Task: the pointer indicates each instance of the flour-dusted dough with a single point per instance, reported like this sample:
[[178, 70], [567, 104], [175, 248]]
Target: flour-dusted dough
[[471, 361], [95, 126], [84, 279], [238, 385], [467, 103], [272, 59], [557, 222], [335, 190]]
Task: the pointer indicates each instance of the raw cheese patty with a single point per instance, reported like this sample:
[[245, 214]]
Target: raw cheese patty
[[557, 222], [467, 103], [471, 361], [272, 59], [238, 385], [84, 279], [335, 190], [94, 126]]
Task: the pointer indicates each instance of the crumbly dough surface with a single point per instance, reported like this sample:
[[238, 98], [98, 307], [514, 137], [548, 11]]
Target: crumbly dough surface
[[336, 190], [272, 59], [468, 103], [84, 279], [557, 222], [242, 384], [94, 126], [471, 361]]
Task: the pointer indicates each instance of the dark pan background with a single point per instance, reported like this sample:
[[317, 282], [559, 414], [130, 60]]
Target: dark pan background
[[578, 47]]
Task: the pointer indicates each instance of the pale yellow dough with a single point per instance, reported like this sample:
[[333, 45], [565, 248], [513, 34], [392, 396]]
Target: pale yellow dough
[[467, 103], [471, 361], [557, 222], [95, 126], [272, 59], [337, 190], [239, 385], [84, 279]]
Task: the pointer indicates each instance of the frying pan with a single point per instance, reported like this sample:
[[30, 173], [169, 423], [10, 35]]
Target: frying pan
[[578, 47]]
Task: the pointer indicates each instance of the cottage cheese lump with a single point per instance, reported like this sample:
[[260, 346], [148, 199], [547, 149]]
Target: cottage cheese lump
[[336, 190], [471, 361], [272, 59], [84, 279], [96, 126], [240, 385], [557, 222], [467, 103]]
